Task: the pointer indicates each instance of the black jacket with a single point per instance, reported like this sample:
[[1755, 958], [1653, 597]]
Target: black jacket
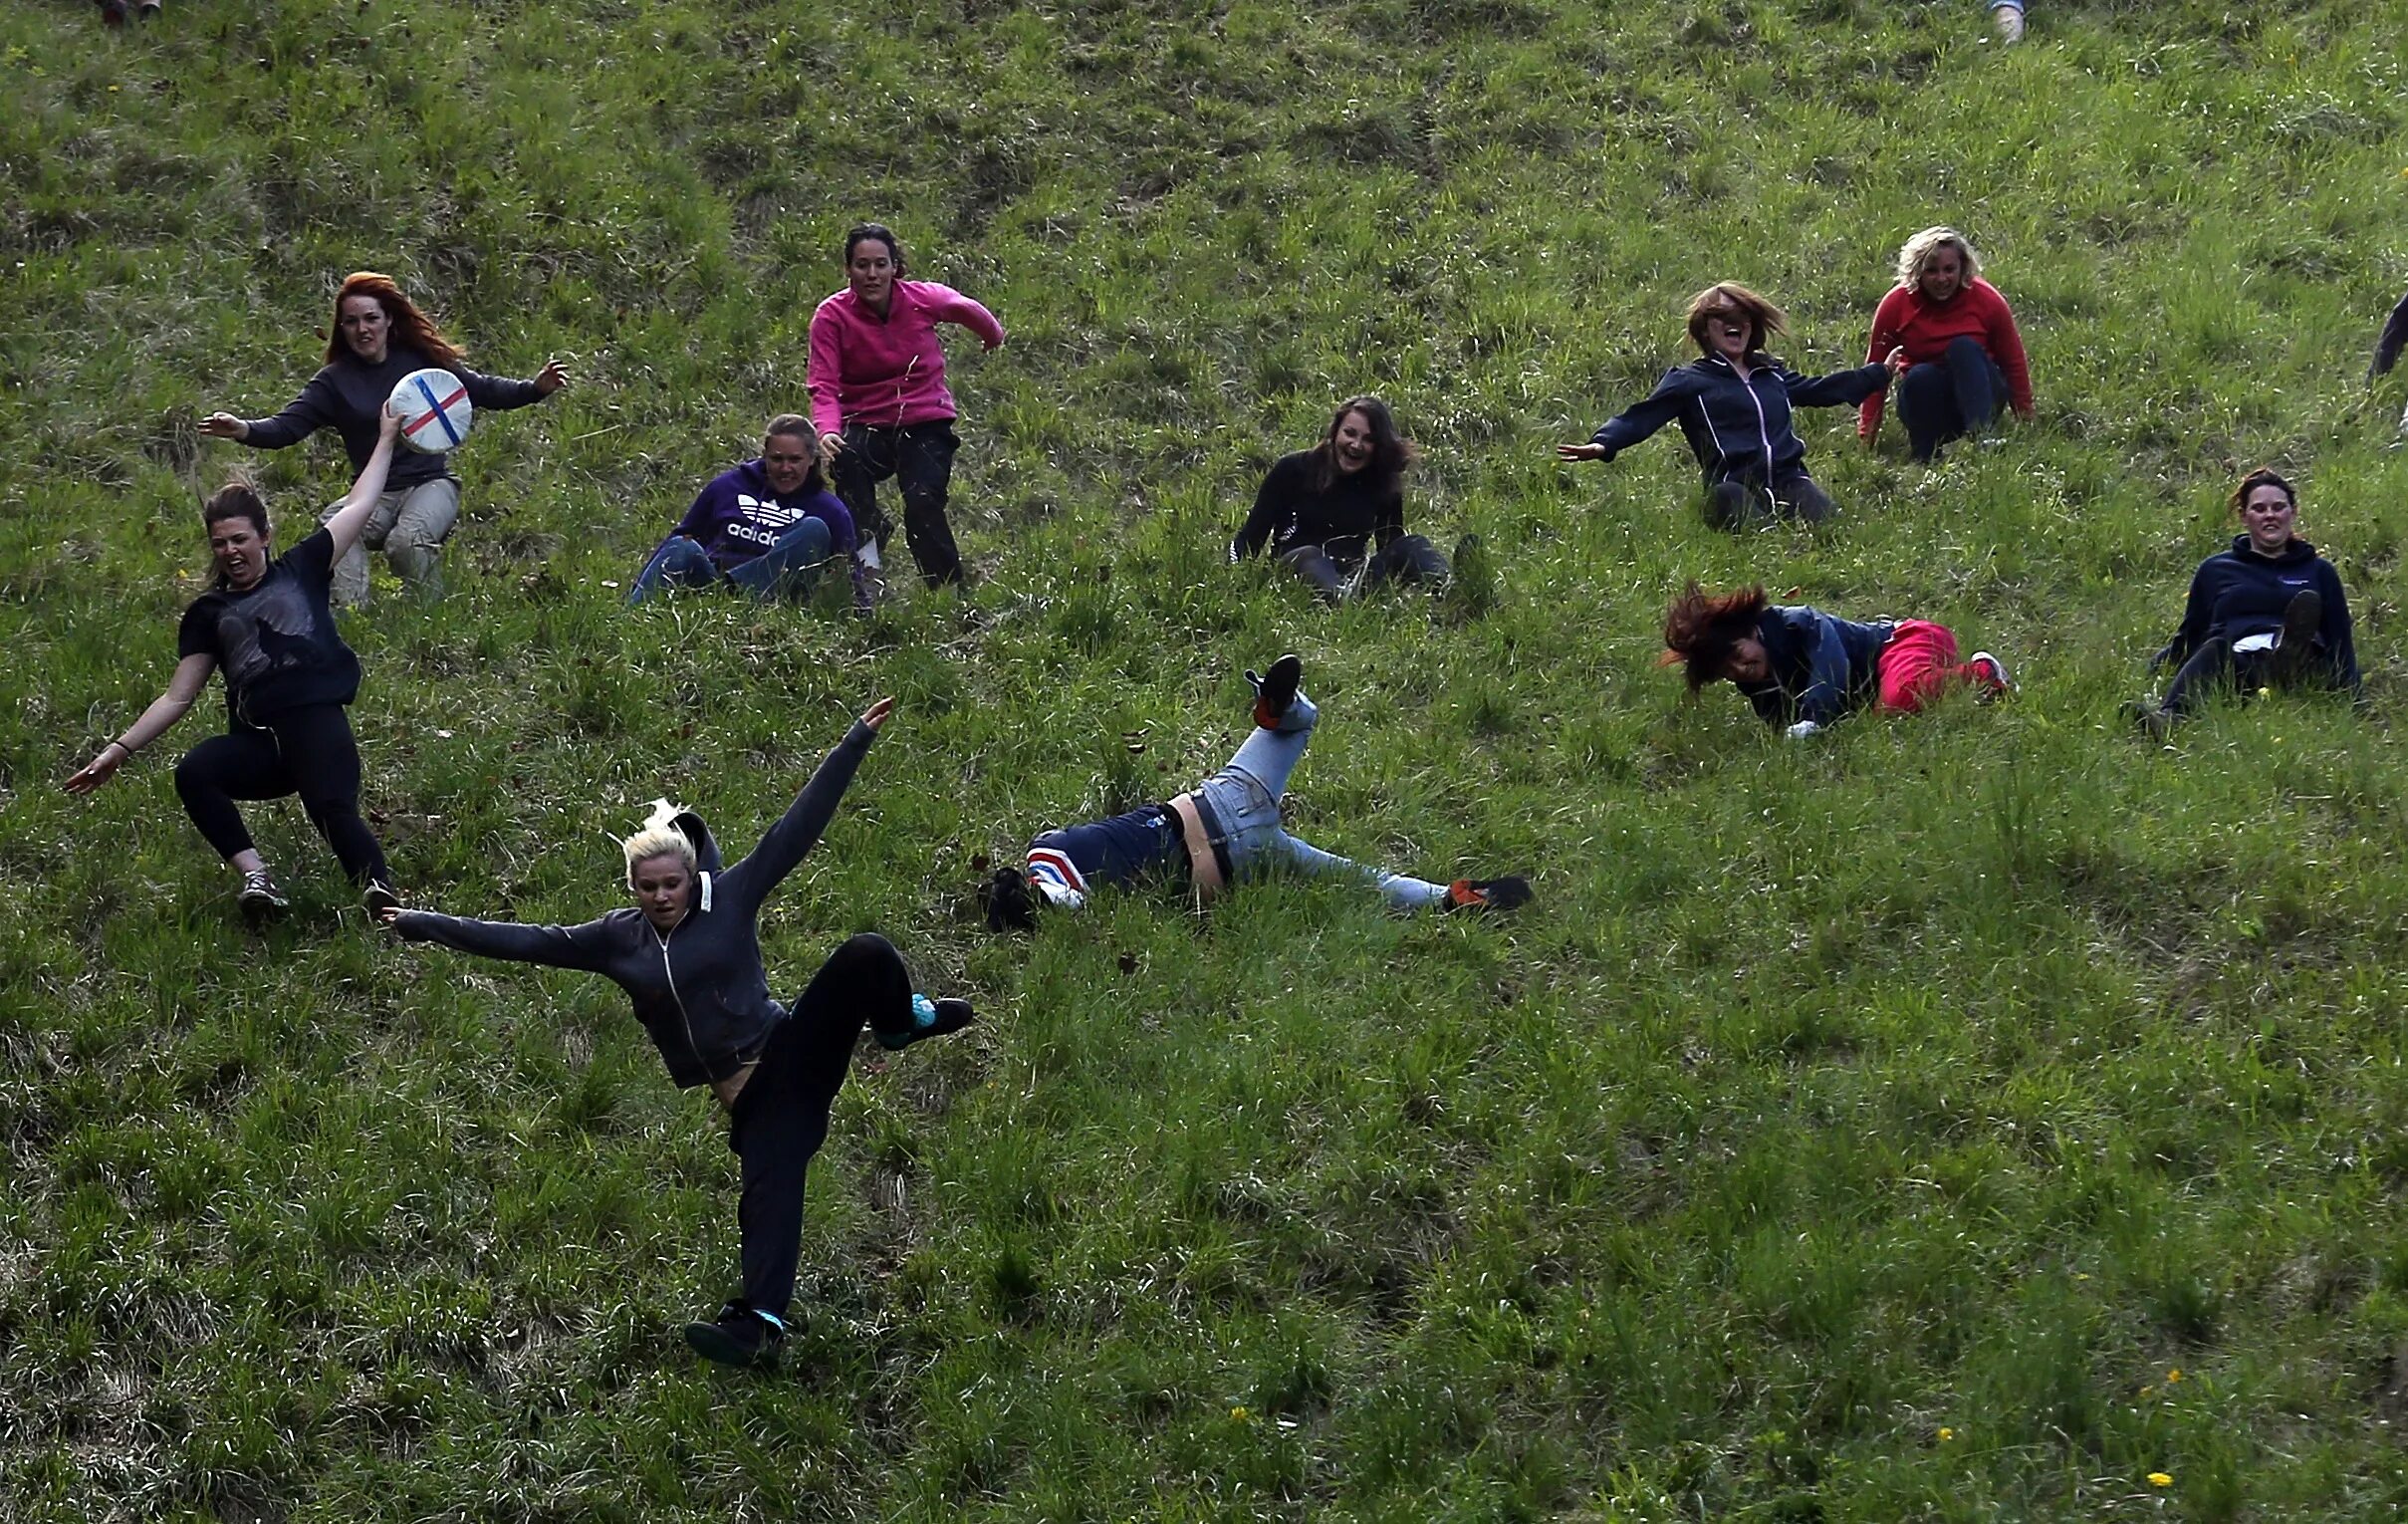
[[699, 991], [2238, 593], [1740, 430]]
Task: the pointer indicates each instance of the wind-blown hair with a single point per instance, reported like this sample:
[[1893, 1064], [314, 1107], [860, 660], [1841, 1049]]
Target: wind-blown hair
[[1918, 250], [1700, 631], [1391, 451], [408, 325], [658, 838], [1764, 319]]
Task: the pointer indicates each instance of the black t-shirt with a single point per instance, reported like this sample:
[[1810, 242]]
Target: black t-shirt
[[1345, 518], [276, 643]]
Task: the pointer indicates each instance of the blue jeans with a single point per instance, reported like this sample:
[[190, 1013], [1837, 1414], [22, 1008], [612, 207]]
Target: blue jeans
[[1245, 795], [785, 569], [1950, 397]]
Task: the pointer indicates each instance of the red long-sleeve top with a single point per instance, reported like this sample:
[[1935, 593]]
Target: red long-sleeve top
[[1907, 318]]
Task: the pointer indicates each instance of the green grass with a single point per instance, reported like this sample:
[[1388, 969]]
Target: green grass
[[1967, 1075]]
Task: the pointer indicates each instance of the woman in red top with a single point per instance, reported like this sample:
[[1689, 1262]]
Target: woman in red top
[[1963, 354]]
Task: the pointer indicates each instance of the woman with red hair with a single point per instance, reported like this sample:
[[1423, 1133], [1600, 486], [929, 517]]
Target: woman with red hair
[[1804, 669], [380, 337]]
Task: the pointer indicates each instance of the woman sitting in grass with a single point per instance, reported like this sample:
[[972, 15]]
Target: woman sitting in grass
[[1335, 514], [1964, 354], [1804, 669], [1225, 827], [765, 525], [2268, 613], [1733, 403], [688, 955], [380, 336], [290, 681]]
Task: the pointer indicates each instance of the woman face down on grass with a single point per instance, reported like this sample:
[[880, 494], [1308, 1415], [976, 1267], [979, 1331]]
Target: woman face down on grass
[[2266, 613], [290, 678], [1335, 514], [1802, 668], [687, 952]]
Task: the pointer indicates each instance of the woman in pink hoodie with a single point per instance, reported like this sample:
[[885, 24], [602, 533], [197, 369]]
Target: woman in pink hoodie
[[878, 398]]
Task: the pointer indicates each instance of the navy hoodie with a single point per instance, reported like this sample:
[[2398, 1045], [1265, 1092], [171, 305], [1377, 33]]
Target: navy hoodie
[[2239, 593], [1740, 430], [1822, 666], [699, 991]]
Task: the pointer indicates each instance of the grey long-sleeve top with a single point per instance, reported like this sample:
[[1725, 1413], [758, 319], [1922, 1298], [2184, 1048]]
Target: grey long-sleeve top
[[701, 989]]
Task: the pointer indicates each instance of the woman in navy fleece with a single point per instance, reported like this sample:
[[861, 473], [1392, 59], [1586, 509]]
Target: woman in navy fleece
[[2267, 612], [765, 525], [688, 955], [380, 337], [1733, 403]]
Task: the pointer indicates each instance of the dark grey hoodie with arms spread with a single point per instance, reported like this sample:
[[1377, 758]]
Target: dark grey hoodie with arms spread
[[701, 989]]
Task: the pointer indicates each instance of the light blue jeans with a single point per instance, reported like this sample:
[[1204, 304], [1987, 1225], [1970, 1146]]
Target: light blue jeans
[[1245, 795], [786, 569]]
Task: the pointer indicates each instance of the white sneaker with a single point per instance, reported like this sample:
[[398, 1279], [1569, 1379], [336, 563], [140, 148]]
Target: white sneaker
[[1993, 674], [2008, 19]]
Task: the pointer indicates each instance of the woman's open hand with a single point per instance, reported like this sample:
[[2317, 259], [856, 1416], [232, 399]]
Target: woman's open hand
[[1579, 452], [224, 425], [877, 714]]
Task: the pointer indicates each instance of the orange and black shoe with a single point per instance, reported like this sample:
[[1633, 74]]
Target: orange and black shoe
[[1510, 892], [1275, 689]]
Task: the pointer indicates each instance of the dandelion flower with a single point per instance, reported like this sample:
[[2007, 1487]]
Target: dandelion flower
[[1947, 1434], [1241, 1415], [2173, 1375], [2160, 1479]]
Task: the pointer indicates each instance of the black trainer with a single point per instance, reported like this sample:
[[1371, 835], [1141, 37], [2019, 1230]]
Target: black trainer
[[929, 1018], [1275, 689], [378, 897], [260, 898], [2148, 719], [739, 1336], [1510, 892], [2296, 648]]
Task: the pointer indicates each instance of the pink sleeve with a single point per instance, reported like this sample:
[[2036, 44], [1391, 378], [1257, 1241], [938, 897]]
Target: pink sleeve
[[946, 304], [824, 371], [2007, 347]]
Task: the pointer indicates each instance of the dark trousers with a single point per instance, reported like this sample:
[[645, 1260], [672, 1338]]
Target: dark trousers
[[2216, 666], [1407, 558], [781, 1117], [919, 456], [1748, 504], [1950, 397], [307, 751]]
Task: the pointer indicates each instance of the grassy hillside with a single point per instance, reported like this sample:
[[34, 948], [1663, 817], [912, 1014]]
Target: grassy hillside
[[1860, 1130]]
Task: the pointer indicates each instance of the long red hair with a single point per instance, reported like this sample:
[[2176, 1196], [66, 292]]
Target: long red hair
[[409, 326], [1699, 629]]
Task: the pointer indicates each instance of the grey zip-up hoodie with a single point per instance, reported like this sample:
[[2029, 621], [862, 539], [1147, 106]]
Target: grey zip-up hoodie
[[699, 991]]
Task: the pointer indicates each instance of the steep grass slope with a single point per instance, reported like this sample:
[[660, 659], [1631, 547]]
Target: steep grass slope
[[1858, 1130]]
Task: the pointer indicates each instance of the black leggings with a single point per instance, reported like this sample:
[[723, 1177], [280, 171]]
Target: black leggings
[[1950, 398], [1407, 558], [919, 456], [2215, 668], [781, 1118], [307, 751]]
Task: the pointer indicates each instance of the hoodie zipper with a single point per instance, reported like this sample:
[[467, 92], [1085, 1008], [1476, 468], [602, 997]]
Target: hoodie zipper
[[670, 976]]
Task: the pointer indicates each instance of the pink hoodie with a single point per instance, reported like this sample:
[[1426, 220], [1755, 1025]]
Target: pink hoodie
[[891, 372]]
